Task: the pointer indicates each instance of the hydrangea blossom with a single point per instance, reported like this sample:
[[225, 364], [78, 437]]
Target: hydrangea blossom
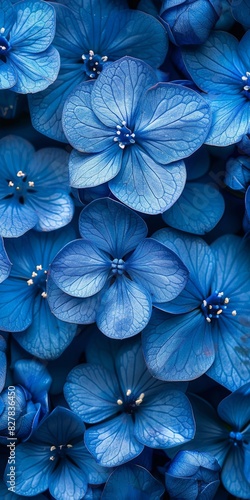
[[34, 191], [28, 61], [114, 272], [207, 325], [89, 35], [132, 481], [130, 408], [137, 148]]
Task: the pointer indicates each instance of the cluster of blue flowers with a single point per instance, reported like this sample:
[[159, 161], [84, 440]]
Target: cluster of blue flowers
[[124, 249]]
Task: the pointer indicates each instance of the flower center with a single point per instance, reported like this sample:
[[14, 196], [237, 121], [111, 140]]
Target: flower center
[[59, 451], [124, 136], [117, 266], [130, 403], [39, 279], [246, 80], [19, 187], [214, 305], [236, 438], [93, 63], [4, 45]]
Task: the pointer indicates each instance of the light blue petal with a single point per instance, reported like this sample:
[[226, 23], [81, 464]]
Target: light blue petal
[[197, 210], [232, 475], [82, 127], [16, 218], [35, 72], [112, 227], [7, 15], [49, 168], [199, 260], [230, 119], [33, 469], [174, 123], [89, 170], [158, 270], [67, 481], [16, 305], [71, 309], [119, 89], [145, 185], [8, 75], [54, 209], [165, 421], [113, 443], [178, 347], [235, 408], [16, 154], [47, 337], [5, 264], [130, 481], [215, 66], [124, 310], [80, 269], [46, 107], [34, 28], [92, 392]]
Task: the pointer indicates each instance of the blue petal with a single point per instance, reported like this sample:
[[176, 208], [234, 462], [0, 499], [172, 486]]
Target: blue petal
[[112, 227], [243, 48], [71, 309], [33, 469], [230, 119], [198, 210], [89, 170], [157, 269], [145, 185], [95, 473], [241, 15], [47, 337], [235, 409], [92, 392], [232, 475], [166, 420], [174, 123], [61, 426], [178, 347], [35, 72], [5, 264], [16, 218], [7, 15], [113, 443], [54, 209], [118, 90], [215, 66], [80, 269], [130, 481], [71, 38], [14, 151], [16, 305], [83, 129], [8, 75], [3, 370], [46, 107], [49, 168], [67, 481], [34, 28], [199, 260], [124, 310], [35, 377]]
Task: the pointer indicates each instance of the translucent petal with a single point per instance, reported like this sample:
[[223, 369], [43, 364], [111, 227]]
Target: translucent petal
[[235, 408], [89, 170], [16, 305], [66, 481], [8, 75]]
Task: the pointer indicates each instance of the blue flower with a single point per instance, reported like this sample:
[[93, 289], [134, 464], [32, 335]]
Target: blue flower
[[23, 296], [8, 494], [226, 435], [192, 476], [28, 62], [55, 458], [89, 35], [137, 148], [189, 22], [207, 325], [220, 67], [34, 190], [130, 408], [132, 481], [114, 272]]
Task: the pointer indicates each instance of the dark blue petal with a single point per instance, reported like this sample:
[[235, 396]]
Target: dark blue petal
[[35, 72], [61, 426], [118, 91], [235, 409], [33, 375], [72, 35], [124, 310], [92, 392], [197, 210], [94, 472], [89, 170], [67, 481], [34, 28], [158, 270], [132, 481], [232, 475], [113, 443], [83, 129], [145, 185], [112, 227], [243, 49], [174, 123], [47, 337], [166, 420], [7, 15], [16, 305], [8, 75], [5, 264], [80, 269]]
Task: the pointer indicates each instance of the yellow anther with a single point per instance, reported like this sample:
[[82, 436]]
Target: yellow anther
[[20, 173], [30, 282], [119, 402]]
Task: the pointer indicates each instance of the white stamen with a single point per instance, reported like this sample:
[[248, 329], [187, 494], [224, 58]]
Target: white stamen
[[220, 294], [83, 57], [118, 132], [20, 173], [34, 274], [234, 313], [140, 399], [115, 139], [17, 188], [248, 73], [220, 311], [244, 78], [204, 302], [226, 300], [96, 63], [52, 458], [122, 146], [91, 53], [44, 295], [132, 135], [128, 392], [30, 282], [31, 184], [10, 184], [45, 272], [2, 30], [247, 87], [2, 47], [39, 268], [208, 320], [118, 126], [210, 307], [69, 445], [52, 448], [123, 122], [119, 402], [104, 58]]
